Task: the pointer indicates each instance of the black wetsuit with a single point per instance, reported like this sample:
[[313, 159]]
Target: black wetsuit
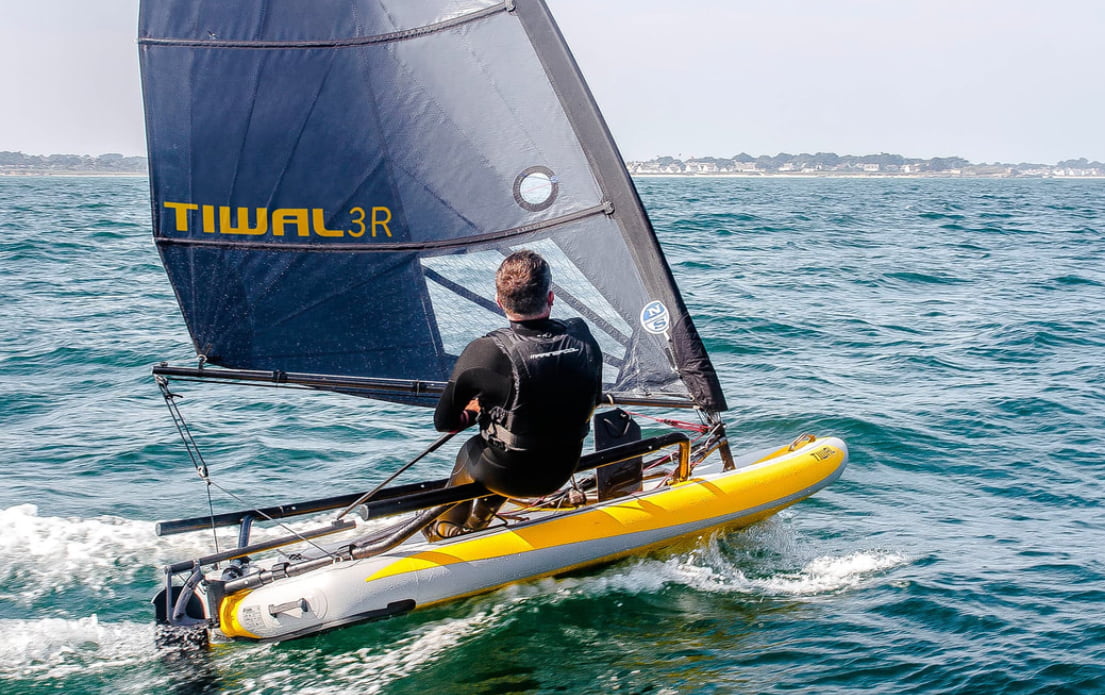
[[538, 448]]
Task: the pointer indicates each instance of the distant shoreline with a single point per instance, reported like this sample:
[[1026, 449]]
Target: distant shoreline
[[54, 173], [840, 175], [745, 166], [77, 174], [865, 166]]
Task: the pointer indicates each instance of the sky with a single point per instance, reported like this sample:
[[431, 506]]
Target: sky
[[988, 80]]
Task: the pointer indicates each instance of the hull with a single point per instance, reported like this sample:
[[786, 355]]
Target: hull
[[418, 574]]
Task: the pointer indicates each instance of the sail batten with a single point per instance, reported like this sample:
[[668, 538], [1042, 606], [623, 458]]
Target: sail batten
[[334, 184], [351, 42]]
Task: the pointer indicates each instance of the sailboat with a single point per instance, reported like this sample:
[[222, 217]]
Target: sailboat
[[333, 185]]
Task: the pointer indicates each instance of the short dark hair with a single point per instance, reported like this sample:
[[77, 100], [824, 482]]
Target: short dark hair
[[523, 282]]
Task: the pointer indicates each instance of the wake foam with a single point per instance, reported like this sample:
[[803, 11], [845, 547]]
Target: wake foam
[[765, 561], [373, 669], [829, 574], [44, 555], [54, 648], [378, 668], [41, 556]]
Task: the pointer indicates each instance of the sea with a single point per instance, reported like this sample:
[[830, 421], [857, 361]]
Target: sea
[[951, 331]]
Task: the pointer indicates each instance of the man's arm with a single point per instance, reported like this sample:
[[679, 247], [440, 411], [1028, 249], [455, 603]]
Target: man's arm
[[482, 373], [596, 358]]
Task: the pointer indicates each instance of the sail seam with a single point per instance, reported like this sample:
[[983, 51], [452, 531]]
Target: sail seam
[[464, 242], [390, 37]]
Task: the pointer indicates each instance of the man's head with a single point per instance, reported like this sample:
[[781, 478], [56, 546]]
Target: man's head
[[522, 286]]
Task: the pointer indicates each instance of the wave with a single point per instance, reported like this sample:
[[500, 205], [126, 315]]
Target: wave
[[1069, 281], [44, 556], [831, 574], [49, 649], [764, 561], [44, 559], [918, 278], [372, 669]]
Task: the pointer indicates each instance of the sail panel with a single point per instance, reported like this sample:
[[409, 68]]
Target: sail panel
[[694, 365], [334, 183]]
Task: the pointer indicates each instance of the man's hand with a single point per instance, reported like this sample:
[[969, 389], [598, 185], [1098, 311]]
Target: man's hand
[[470, 413], [468, 418]]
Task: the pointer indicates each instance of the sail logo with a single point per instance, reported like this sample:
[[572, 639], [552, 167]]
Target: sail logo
[[655, 317], [301, 222]]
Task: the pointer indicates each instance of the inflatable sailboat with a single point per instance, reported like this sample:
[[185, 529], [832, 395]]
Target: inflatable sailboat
[[333, 185]]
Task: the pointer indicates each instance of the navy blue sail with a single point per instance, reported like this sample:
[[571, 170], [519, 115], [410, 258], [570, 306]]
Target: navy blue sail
[[334, 183]]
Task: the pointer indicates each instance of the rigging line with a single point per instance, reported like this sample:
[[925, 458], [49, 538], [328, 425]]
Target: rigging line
[[700, 452], [368, 495], [182, 428], [678, 424], [201, 467], [331, 554], [391, 247], [389, 37], [211, 511], [191, 447]]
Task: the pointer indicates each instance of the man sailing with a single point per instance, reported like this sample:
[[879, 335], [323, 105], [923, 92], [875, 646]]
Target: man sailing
[[532, 388]]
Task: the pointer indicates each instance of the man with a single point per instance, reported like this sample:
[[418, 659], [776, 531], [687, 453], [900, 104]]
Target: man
[[531, 387]]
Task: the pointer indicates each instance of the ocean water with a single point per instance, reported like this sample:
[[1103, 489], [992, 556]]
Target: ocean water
[[952, 331]]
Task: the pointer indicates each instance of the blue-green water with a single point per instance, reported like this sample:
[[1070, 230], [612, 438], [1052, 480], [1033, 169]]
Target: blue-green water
[[953, 332]]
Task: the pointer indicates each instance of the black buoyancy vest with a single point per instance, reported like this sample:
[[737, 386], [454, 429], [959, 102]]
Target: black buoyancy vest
[[555, 383]]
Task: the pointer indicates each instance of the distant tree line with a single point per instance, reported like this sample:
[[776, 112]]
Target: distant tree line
[[112, 162], [1080, 163]]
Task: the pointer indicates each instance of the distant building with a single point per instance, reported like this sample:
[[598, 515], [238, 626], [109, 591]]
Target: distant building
[[695, 167]]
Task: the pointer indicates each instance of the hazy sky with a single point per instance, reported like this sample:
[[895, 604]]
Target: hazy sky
[[988, 80]]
